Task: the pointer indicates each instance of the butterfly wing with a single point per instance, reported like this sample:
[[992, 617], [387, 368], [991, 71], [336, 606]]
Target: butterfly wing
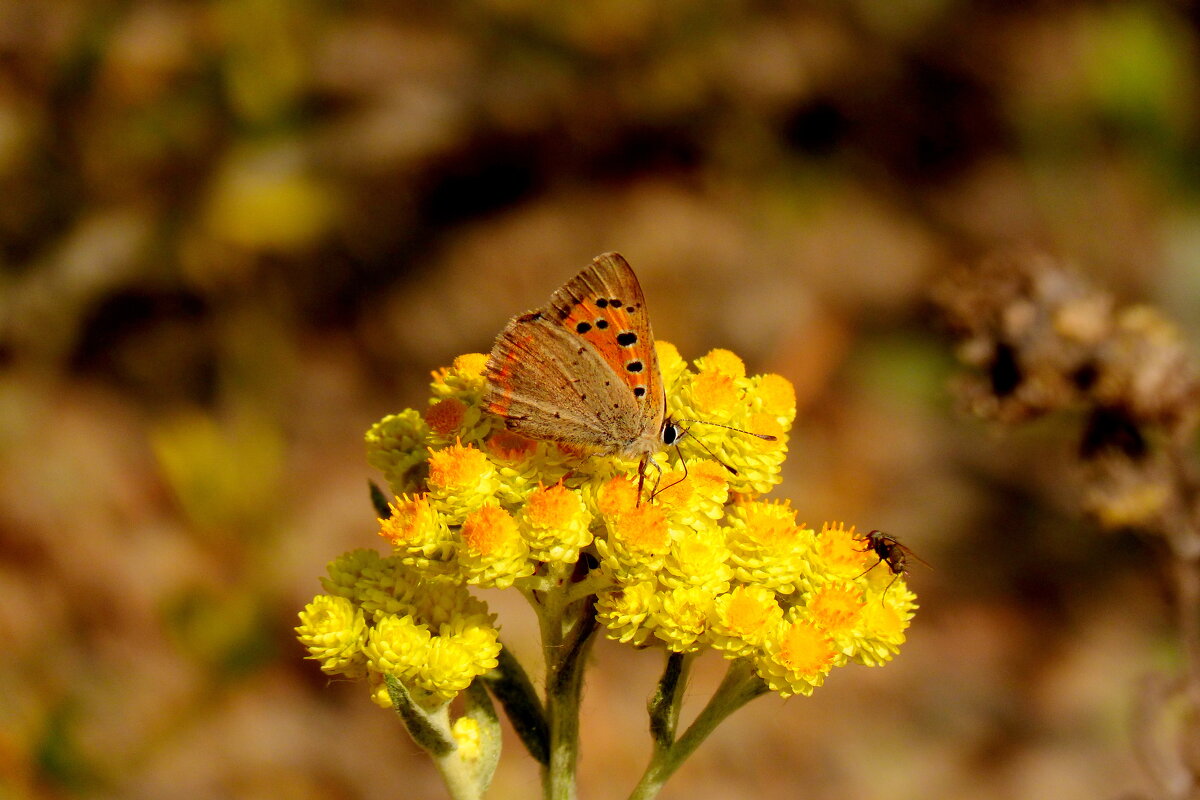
[[583, 369], [604, 305]]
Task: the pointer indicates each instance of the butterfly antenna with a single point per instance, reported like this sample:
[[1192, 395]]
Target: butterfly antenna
[[766, 437], [708, 449]]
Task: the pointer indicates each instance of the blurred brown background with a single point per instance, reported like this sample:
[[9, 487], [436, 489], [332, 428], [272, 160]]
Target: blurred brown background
[[233, 234]]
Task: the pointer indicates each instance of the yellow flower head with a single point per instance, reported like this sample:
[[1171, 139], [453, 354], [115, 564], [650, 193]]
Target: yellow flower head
[[397, 646], [670, 363], [333, 631], [623, 611], [636, 544], [419, 533], [461, 652], [695, 499], [461, 479], [885, 618], [840, 553], [681, 617], [463, 380], [722, 362], [743, 619], [698, 558], [554, 521], [768, 547], [797, 659], [759, 461], [394, 447], [836, 608], [714, 396], [493, 553], [775, 395], [413, 522]]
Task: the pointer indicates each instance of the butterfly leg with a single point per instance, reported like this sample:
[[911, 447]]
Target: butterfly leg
[[648, 461], [675, 483], [641, 477]]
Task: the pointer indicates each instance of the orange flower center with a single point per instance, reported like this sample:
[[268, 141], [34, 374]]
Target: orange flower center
[[771, 525], [763, 423], [409, 520], [749, 613], [806, 649], [714, 393], [471, 364], [489, 529], [456, 466], [644, 528], [836, 606], [616, 496], [725, 362], [708, 478], [446, 416], [777, 394], [841, 550], [555, 507]]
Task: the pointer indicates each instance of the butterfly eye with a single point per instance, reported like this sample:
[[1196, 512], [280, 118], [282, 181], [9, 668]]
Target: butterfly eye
[[671, 433]]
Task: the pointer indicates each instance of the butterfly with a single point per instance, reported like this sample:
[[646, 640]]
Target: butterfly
[[583, 370]]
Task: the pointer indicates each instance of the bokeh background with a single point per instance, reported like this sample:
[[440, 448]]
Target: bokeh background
[[233, 234]]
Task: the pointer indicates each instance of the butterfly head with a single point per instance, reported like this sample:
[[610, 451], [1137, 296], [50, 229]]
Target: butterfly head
[[671, 432]]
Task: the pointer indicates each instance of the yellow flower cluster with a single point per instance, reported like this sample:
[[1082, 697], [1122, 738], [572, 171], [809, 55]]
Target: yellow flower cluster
[[383, 617], [697, 561]]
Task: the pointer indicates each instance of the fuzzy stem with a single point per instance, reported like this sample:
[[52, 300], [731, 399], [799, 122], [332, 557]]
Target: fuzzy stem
[[566, 629], [668, 697], [459, 778], [739, 687], [431, 730]]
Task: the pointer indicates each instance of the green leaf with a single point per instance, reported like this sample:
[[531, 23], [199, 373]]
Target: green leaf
[[379, 500], [419, 722], [512, 687]]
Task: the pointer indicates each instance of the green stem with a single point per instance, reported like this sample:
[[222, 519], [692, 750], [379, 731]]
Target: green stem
[[459, 778], [739, 687], [431, 730], [668, 697], [567, 630]]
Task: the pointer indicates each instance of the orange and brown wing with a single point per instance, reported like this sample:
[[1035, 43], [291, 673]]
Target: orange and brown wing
[[582, 369], [605, 307]]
